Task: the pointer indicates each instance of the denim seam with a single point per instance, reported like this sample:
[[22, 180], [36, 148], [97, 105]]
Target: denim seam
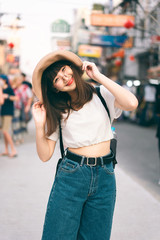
[[90, 187], [63, 169], [69, 171]]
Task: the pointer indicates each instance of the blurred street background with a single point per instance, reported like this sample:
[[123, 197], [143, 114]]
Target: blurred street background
[[123, 38]]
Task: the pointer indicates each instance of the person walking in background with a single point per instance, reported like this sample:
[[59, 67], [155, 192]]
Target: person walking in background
[[7, 110], [147, 117], [82, 199], [27, 100], [1, 100], [158, 123], [16, 121], [25, 81]]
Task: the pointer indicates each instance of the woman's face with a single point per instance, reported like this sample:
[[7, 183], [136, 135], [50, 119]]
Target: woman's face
[[64, 80]]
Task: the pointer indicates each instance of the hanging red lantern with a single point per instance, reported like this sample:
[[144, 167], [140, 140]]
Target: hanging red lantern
[[131, 58], [129, 24], [11, 45]]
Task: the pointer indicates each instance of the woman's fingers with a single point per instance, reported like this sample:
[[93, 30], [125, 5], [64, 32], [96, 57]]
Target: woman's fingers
[[88, 65], [42, 106], [85, 64], [37, 105]]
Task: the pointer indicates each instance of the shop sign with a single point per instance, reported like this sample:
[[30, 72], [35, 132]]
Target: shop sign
[[63, 44], [107, 40], [89, 51], [110, 20], [60, 26]]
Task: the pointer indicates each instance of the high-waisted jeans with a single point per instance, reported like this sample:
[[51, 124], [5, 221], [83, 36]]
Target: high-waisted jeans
[[81, 202]]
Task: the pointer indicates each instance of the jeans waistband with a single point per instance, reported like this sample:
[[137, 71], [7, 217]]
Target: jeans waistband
[[90, 161]]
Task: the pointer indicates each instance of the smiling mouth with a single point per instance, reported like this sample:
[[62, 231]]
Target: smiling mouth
[[69, 82]]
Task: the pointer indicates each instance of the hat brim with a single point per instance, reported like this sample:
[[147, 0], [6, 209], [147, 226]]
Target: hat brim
[[45, 62]]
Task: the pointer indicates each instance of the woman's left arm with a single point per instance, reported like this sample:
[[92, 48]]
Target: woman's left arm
[[124, 99]]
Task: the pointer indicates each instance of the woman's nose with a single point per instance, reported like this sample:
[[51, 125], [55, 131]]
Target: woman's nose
[[65, 77]]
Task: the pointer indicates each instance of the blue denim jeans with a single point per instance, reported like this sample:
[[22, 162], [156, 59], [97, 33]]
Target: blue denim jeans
[[81, 202]]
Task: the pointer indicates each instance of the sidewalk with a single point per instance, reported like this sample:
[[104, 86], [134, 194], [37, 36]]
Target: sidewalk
[[137, 213], [25, 184]]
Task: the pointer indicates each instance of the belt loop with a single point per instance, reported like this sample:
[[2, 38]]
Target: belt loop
[[65, 151], [102, 163], [82, 161]]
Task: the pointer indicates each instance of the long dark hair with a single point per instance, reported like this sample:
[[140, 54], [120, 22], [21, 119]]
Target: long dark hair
[[57, 103]]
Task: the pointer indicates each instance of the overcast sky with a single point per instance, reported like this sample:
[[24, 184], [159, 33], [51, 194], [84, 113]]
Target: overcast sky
[[37, 16]]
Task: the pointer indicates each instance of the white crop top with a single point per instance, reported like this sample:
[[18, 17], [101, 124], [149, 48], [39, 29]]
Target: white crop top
[[89, 125]]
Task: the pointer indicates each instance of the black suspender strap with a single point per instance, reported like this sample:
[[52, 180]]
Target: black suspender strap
[[103, 101], [60, 139]]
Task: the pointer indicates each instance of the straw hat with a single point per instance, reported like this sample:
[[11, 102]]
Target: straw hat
[[45, 62]]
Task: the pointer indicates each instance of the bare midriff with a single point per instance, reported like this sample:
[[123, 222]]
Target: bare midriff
[[95, 150]]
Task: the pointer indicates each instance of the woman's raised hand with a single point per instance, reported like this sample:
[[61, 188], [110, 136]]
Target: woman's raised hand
[[39, 114], [91, 70]]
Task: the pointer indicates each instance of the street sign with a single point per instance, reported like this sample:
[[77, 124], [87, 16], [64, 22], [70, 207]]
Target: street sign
[[89, 51], [108, 40], [110, 20]]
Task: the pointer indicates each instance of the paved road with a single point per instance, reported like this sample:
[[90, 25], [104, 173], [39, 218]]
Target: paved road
[[138, 154], [25, 183]]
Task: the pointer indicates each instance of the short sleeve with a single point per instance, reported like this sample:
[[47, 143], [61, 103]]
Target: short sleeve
[[54, 136], [110, 99], [29, 92]]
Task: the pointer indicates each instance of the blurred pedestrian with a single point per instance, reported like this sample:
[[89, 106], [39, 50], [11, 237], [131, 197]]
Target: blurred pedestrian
[[17, 130], [82, 199], [158, 123], [27, 100], [1, 100], [25, 81], [7, 111], [147, 117]]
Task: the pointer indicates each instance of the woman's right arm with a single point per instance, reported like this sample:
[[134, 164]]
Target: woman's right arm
[[45, 147]]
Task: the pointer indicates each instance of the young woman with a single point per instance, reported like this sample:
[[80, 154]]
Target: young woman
[[7, 111], [82, 198], [22, 108]]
